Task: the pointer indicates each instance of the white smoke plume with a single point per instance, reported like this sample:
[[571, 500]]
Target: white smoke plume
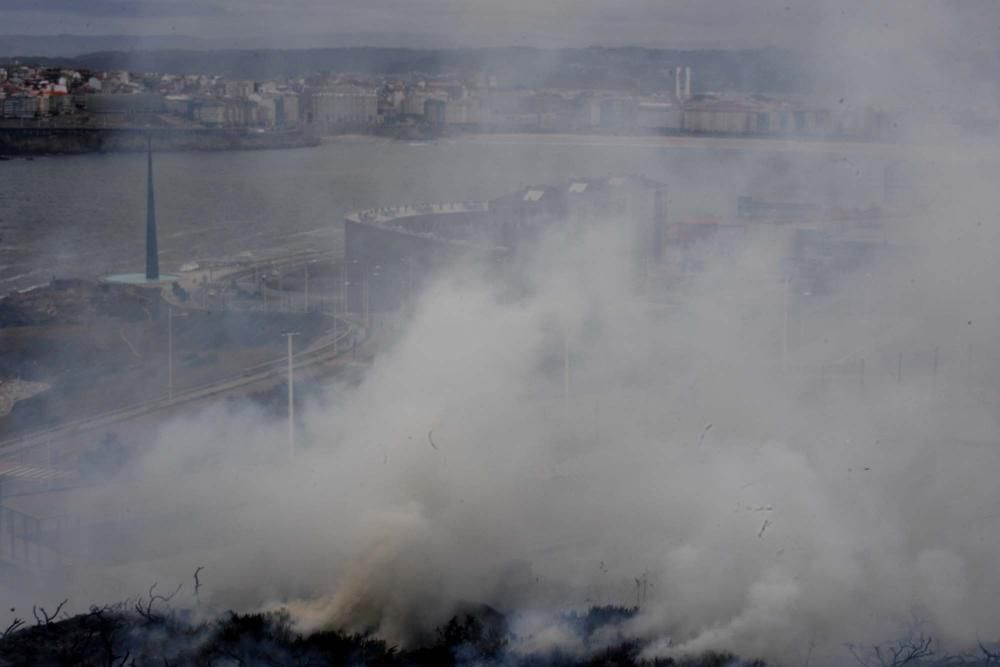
[[775, 505], [784, 472]]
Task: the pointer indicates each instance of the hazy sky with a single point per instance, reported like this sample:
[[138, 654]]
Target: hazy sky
[[664, 23]]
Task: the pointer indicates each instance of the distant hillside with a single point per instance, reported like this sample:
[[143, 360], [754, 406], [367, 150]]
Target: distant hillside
[[68, 46], [764, 70]]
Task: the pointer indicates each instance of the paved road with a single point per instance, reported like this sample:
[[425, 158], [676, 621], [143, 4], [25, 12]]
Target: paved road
[[323, 352]]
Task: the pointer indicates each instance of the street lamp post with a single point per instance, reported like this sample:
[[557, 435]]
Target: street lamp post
[[366, 292], [784, 334], [343, 287], [306, 308], [565, 333], [410, 286], [364, 298], [291, 395], [352, 275], [170, 352]]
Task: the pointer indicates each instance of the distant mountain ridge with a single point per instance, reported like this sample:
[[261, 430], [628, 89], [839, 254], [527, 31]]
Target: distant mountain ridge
[[72, 45], [68, 46]]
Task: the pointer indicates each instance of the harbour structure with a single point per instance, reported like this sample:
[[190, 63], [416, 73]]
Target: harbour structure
[[151, 282], [390, 250], [152, 247]]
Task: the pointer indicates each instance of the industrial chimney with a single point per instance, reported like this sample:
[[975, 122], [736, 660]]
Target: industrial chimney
[[677, 83], [687, 83]]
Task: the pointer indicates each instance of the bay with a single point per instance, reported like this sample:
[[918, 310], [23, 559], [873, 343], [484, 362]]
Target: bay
[[83, 216]]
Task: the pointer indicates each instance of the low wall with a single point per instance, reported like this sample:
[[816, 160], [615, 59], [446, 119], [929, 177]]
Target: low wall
[[51, 141]]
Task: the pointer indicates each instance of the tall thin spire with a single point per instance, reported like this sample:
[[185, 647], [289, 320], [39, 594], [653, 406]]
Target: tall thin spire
[[152, 250]]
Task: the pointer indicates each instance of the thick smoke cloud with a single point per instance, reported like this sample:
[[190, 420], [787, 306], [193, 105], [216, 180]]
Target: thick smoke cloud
[[779, 499], [776, 505]]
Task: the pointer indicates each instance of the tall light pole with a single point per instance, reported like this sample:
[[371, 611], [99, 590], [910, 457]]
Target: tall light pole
[[364, 295], [343, 286], [369, 274], [565, 333], [410, 286], [355, 279], [306, 308], [784, 334], [291, 395], [170, 353]]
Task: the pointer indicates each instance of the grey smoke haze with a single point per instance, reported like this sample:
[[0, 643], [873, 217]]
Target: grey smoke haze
[[812, 513], [879, 503], [954, 24]]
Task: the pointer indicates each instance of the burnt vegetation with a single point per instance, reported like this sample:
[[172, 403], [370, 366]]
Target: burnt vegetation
[[147, 631]]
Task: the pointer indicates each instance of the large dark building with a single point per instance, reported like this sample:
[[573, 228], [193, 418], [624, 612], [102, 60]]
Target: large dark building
[[390, 250]]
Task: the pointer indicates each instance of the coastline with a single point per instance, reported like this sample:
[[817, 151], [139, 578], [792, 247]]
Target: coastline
[[654, 141], [55, 141], [37, 141], [925, 150], [692, 141]]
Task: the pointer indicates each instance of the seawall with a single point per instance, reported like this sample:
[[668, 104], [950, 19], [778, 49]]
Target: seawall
[[75, 140]]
